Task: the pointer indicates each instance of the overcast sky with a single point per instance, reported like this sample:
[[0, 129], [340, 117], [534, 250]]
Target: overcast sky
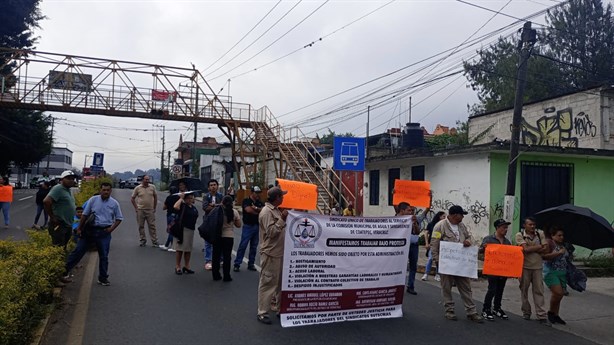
[[350, 53]]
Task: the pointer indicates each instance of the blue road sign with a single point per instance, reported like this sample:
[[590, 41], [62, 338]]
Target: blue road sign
[[98, 159], [349, 153], [96, 168]]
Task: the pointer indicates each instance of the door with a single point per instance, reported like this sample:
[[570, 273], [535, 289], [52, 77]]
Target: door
[[544, 185]]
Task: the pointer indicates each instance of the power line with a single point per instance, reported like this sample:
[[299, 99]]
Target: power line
[[244, 36], [272, 43]]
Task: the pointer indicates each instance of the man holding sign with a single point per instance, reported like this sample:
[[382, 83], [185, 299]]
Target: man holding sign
[[452, 229], [496, 284]]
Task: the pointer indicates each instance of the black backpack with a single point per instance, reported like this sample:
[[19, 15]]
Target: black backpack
[[211, 228]]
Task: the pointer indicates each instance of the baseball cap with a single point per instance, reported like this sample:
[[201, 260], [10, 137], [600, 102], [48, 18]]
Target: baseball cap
[[67, 173], [256, 189], [500, 222], [456, 210], [275, 192]]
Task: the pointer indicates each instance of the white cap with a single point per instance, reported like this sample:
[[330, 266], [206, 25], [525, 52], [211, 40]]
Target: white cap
[[67, 173]]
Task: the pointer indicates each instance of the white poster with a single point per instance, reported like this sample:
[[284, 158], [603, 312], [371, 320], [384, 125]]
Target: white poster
[[456, 260], [343, 268]]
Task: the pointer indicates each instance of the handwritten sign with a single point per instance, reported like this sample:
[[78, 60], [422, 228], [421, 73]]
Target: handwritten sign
[[416, 193], [456, 260], [503, 260], [301, 195], [6, 193]]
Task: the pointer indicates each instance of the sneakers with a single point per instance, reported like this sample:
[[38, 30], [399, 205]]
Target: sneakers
[[425, 277], [252, 268], [143, 244], [236, 268], [451, 316], [104, 281], [264, 318], [208, 266], [155, 244], [554, 319], [163, 247], [411, 291], [501, 314], [545, 322], [437, 278], [526, 317], [171, 250], [487, 315], [475, 318], [65, 279]]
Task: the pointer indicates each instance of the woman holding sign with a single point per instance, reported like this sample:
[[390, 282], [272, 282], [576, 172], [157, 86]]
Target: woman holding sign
[[496, 284]]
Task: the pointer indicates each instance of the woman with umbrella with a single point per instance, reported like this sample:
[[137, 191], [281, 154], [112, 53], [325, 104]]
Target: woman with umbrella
[[555, 270], [188, 214]]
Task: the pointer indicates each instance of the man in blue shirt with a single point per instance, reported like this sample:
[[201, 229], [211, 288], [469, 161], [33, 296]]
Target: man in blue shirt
[[107, 216], [210, 200]]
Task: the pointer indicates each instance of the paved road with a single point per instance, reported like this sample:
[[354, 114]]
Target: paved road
[[148, 304], [23, 210]]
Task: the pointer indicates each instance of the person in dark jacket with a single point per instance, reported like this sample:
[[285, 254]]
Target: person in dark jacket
[[42, 192], [496, 284]]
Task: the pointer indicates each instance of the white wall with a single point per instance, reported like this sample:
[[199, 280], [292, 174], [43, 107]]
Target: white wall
[[455, 180], [579, 120]]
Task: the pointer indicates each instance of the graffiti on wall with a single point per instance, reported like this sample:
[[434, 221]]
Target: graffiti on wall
[[496, 211], [555, 130], [442, 204], [583, 126], [478, 212]]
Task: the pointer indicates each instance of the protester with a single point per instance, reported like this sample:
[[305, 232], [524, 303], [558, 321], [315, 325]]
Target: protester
[[210, 200], [555, 272], [349, 211], [404, 209], [107, 217], [145, 199], [533, 245], [41, 193], [272, 223], [249, 233], [6, 197], [427, 242], [222, 249], [452, 229], [60, 206], [496, 284], [336, 210], [75, 223], [187, 214]]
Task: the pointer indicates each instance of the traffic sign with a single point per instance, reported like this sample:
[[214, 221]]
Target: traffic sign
[[176, 169], [98, 159], [349, 153]]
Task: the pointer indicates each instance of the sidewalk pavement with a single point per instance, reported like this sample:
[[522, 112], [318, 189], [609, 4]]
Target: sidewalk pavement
[[589, 314]]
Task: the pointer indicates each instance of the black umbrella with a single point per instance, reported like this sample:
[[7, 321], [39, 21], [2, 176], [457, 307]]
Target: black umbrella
[[191, 183], [582, 226]]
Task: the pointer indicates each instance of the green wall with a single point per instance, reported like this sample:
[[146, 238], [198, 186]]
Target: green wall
[[593, 185]]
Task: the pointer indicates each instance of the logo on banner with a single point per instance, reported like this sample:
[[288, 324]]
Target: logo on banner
[[305, 231]]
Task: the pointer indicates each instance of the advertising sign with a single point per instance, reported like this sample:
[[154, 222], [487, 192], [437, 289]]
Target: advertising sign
[[343, 268], [70, 81]]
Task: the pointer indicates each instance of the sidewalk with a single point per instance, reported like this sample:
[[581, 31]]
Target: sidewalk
[[589, 314]]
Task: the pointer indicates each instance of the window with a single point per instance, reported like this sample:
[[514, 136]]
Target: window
[[417, 173], [393, 174], [374, 187]]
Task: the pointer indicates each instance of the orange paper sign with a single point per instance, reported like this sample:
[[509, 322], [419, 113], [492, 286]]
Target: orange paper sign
[[503, 260], [6, 193], [301, 195], [416, 193]]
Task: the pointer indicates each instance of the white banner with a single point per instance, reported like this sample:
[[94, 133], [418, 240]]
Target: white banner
[[456, 260], [343, 268]]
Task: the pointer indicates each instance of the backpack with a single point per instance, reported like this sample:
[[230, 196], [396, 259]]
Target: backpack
[[211, 228]]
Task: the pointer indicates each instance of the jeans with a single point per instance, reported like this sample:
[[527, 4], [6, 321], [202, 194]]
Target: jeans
[[5, 206], [429, 264], [495, 289], [208, 252], [222, 247], [249, 235], [169, 239], [102, 239], [40, 209], [413, 265]]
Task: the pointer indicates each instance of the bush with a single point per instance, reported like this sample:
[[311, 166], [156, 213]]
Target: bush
[[89, 188], [28, 273]]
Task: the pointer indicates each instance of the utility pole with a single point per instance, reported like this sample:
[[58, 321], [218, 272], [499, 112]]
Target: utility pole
[[162, 152], [85, 161], [525, 46], [168, 179], [410, 109], [50, 152], [367, 141]]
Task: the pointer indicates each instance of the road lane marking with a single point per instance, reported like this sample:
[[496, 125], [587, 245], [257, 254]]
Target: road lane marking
[[77, 329], [26, 198], [234, 252]]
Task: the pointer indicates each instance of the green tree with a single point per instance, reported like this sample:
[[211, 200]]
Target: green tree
[[575, 51], [24, 135], [328, 139]]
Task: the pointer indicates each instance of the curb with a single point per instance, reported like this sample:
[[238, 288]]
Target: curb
[[42, 327]]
